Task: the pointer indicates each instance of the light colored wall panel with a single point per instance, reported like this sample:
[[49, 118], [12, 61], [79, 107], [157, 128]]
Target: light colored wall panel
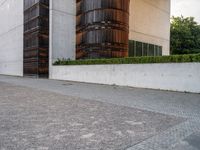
[[150, 22], [62, 29], [11, 37]]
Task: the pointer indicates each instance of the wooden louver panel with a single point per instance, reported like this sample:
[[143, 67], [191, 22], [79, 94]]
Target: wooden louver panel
[[102, 28], [36, 38]]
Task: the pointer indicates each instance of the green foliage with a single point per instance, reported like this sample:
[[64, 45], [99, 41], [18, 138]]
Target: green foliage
[[187, 51], [133, 60], [185, 36]]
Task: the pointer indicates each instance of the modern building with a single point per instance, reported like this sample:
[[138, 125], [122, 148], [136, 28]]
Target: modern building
[[35, 33]]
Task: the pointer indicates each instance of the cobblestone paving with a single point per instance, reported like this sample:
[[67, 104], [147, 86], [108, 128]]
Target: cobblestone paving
[[38, 119], [182, 136]]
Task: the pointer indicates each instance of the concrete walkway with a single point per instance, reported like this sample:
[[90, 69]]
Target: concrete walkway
[[48, 114]]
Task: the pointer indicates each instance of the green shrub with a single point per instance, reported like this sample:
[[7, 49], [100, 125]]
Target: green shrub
[[133, 60]]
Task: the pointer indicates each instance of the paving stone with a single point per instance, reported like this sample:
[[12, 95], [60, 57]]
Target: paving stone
[[115, 103], [46, 120]]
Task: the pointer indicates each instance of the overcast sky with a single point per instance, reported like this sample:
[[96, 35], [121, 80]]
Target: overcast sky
[[186, 8]]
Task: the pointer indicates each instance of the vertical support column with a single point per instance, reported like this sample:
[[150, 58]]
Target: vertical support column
[[36, 38]]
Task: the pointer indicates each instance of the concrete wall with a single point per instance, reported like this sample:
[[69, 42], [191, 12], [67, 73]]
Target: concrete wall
[[11, 37], [62, 29], [176, 77], [150, 22]]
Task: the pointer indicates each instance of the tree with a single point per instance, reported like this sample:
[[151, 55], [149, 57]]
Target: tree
[[185, 35]]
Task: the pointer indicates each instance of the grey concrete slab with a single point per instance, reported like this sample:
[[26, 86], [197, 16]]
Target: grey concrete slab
[[176, 104], [36, 119], [192, 142]]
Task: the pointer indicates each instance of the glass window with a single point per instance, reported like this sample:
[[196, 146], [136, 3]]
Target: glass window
[[135, 48], [145, 49], [131, 48], [160, 51], [156, 50], [138, 48], [151, 50]]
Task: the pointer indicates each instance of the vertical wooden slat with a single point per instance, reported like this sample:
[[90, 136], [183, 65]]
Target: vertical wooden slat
[[36, 38], [102, 28]]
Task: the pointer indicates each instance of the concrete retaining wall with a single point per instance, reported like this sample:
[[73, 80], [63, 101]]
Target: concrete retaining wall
[[184, 77]]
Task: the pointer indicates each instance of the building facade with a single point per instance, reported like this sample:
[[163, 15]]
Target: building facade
[[35, 33]]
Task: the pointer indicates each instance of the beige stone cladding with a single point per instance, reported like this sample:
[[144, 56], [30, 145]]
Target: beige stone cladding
[[150, 22]]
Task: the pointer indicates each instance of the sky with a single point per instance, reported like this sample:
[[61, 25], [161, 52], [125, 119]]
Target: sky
[[186, 8]]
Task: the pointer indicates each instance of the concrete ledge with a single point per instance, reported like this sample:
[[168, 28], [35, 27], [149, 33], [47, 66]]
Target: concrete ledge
[[183, 77]]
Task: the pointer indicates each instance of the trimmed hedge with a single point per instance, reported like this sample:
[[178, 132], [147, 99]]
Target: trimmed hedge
[[133, 60]]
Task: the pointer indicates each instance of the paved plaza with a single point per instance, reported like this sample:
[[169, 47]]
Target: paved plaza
[[40, 114]]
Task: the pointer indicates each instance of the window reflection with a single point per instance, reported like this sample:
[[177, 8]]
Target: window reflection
[[138, 49]]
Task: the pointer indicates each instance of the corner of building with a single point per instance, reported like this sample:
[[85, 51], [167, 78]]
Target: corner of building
[[150, 23]]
